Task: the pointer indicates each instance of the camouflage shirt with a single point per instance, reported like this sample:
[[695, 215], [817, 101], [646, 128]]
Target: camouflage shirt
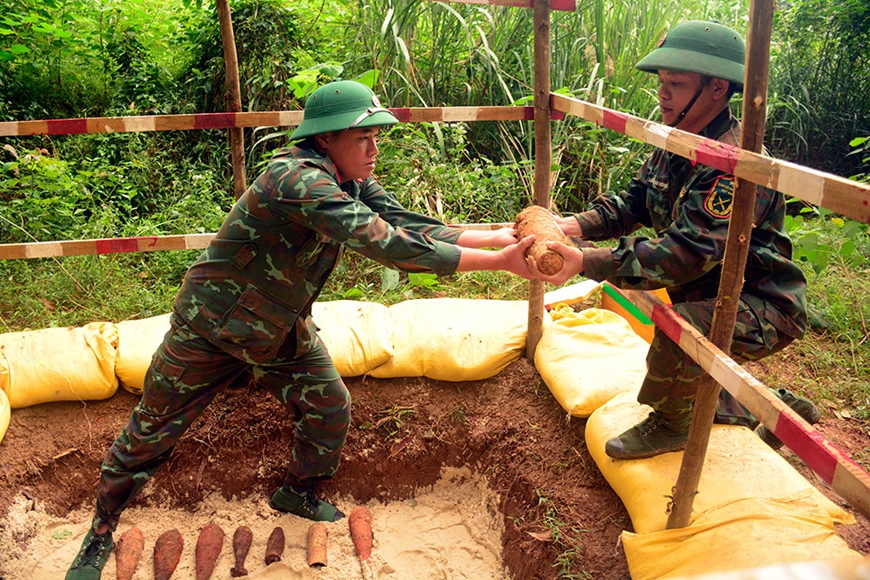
[[282, 239], [688, 206]]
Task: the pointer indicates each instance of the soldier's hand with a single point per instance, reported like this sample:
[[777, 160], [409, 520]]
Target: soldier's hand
[[572, 264]]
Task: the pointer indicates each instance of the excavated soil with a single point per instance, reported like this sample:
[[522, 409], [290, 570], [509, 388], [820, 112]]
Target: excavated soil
[[508, 428]]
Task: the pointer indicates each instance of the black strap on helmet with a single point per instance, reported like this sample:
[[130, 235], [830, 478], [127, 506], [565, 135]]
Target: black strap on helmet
[[682, 115]]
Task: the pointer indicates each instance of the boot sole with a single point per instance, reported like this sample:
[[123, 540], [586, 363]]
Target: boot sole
[[625, 454]]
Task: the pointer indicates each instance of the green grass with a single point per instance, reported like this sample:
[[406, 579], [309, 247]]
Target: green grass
[[566, 538]]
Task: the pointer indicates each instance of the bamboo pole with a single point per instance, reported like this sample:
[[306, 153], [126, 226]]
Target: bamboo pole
[[734, 264], [234, 96], [543, 158]]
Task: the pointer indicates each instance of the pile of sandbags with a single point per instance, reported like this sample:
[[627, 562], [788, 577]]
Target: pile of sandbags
[[445, 339], [753, 509]]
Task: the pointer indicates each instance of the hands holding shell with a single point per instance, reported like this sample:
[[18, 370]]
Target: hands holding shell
[[552, 257]]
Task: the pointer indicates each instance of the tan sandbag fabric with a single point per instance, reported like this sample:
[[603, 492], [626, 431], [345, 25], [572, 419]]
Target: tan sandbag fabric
[[586, 358], [137, 342], [5, 414], [752, 507], [60, 364], [455, 339], [849, 569], [358, 335]]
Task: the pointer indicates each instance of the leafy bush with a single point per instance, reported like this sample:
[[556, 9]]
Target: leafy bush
[[820, 82], [40, 199], [428, 166]]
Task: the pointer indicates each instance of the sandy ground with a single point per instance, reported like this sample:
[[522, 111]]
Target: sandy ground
[[451, 531]]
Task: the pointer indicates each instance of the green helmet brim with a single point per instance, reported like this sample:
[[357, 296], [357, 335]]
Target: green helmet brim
[[342, 121], [677, 59]]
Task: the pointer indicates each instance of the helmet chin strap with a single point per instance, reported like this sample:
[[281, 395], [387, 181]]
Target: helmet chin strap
[[682, 115]]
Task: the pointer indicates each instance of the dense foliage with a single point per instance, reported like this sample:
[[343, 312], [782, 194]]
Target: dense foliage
[[67, 58]]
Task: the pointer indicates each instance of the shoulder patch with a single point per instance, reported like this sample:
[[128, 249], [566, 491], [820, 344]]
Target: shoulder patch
[[720, 198]]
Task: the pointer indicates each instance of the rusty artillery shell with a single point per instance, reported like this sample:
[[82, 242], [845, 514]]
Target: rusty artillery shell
[[208, 548], [360, 523], [275, 546], [242, 539], [128, 550], [167, 553], [317, 545], [541, 222]]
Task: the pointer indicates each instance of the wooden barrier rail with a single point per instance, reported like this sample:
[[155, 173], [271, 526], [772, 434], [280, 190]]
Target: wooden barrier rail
[[844, 196], [137, 244], [145, 123]]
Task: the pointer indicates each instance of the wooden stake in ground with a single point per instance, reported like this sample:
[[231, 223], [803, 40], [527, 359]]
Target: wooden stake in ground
[[127, 553], [242, 539], [317, 536], [275, 546], [360, 522], [167, 553], [541, 222], [208, 548]]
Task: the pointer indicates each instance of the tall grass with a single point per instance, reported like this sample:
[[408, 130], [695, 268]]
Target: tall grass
[[439, 54]]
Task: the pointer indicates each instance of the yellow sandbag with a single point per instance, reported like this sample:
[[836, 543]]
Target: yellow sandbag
[[586, 358], [358, 335], [849, 569], [455, 339], [137, 341], [748, 496], [745, 534], [5, 414], [738, 465], [60, 364]]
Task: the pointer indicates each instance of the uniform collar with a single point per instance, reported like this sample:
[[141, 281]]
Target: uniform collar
[[318, 158], [721, 124]]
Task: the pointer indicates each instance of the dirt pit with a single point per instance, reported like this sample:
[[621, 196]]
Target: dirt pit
[[485, 479]]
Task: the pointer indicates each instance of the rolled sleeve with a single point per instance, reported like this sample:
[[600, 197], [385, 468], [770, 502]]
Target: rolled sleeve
[[591, 224], [598, 263]]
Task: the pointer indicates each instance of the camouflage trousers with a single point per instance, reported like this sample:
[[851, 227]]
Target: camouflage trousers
[[672, 376], [186, 373]]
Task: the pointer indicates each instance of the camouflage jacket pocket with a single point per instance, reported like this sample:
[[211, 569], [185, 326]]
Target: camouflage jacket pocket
[[256, 327]]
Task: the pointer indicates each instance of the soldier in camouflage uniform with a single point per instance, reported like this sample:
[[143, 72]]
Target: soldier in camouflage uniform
[[244, 309], [700, 65]]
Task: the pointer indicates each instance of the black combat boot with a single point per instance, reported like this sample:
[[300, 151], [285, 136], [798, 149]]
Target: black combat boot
[[803, 407], [653, 436], [300, 499], [92, 556]]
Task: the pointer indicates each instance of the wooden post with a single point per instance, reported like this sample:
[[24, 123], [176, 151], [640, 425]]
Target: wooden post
[[234, 96], [543, 158], [734, 264]]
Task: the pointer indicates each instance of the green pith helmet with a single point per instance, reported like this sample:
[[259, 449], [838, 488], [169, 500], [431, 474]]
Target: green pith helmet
[[699, 46], [342, 105]]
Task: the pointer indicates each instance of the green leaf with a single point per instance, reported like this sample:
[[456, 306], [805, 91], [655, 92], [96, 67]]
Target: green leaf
[[353, 293], [389, 279]]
